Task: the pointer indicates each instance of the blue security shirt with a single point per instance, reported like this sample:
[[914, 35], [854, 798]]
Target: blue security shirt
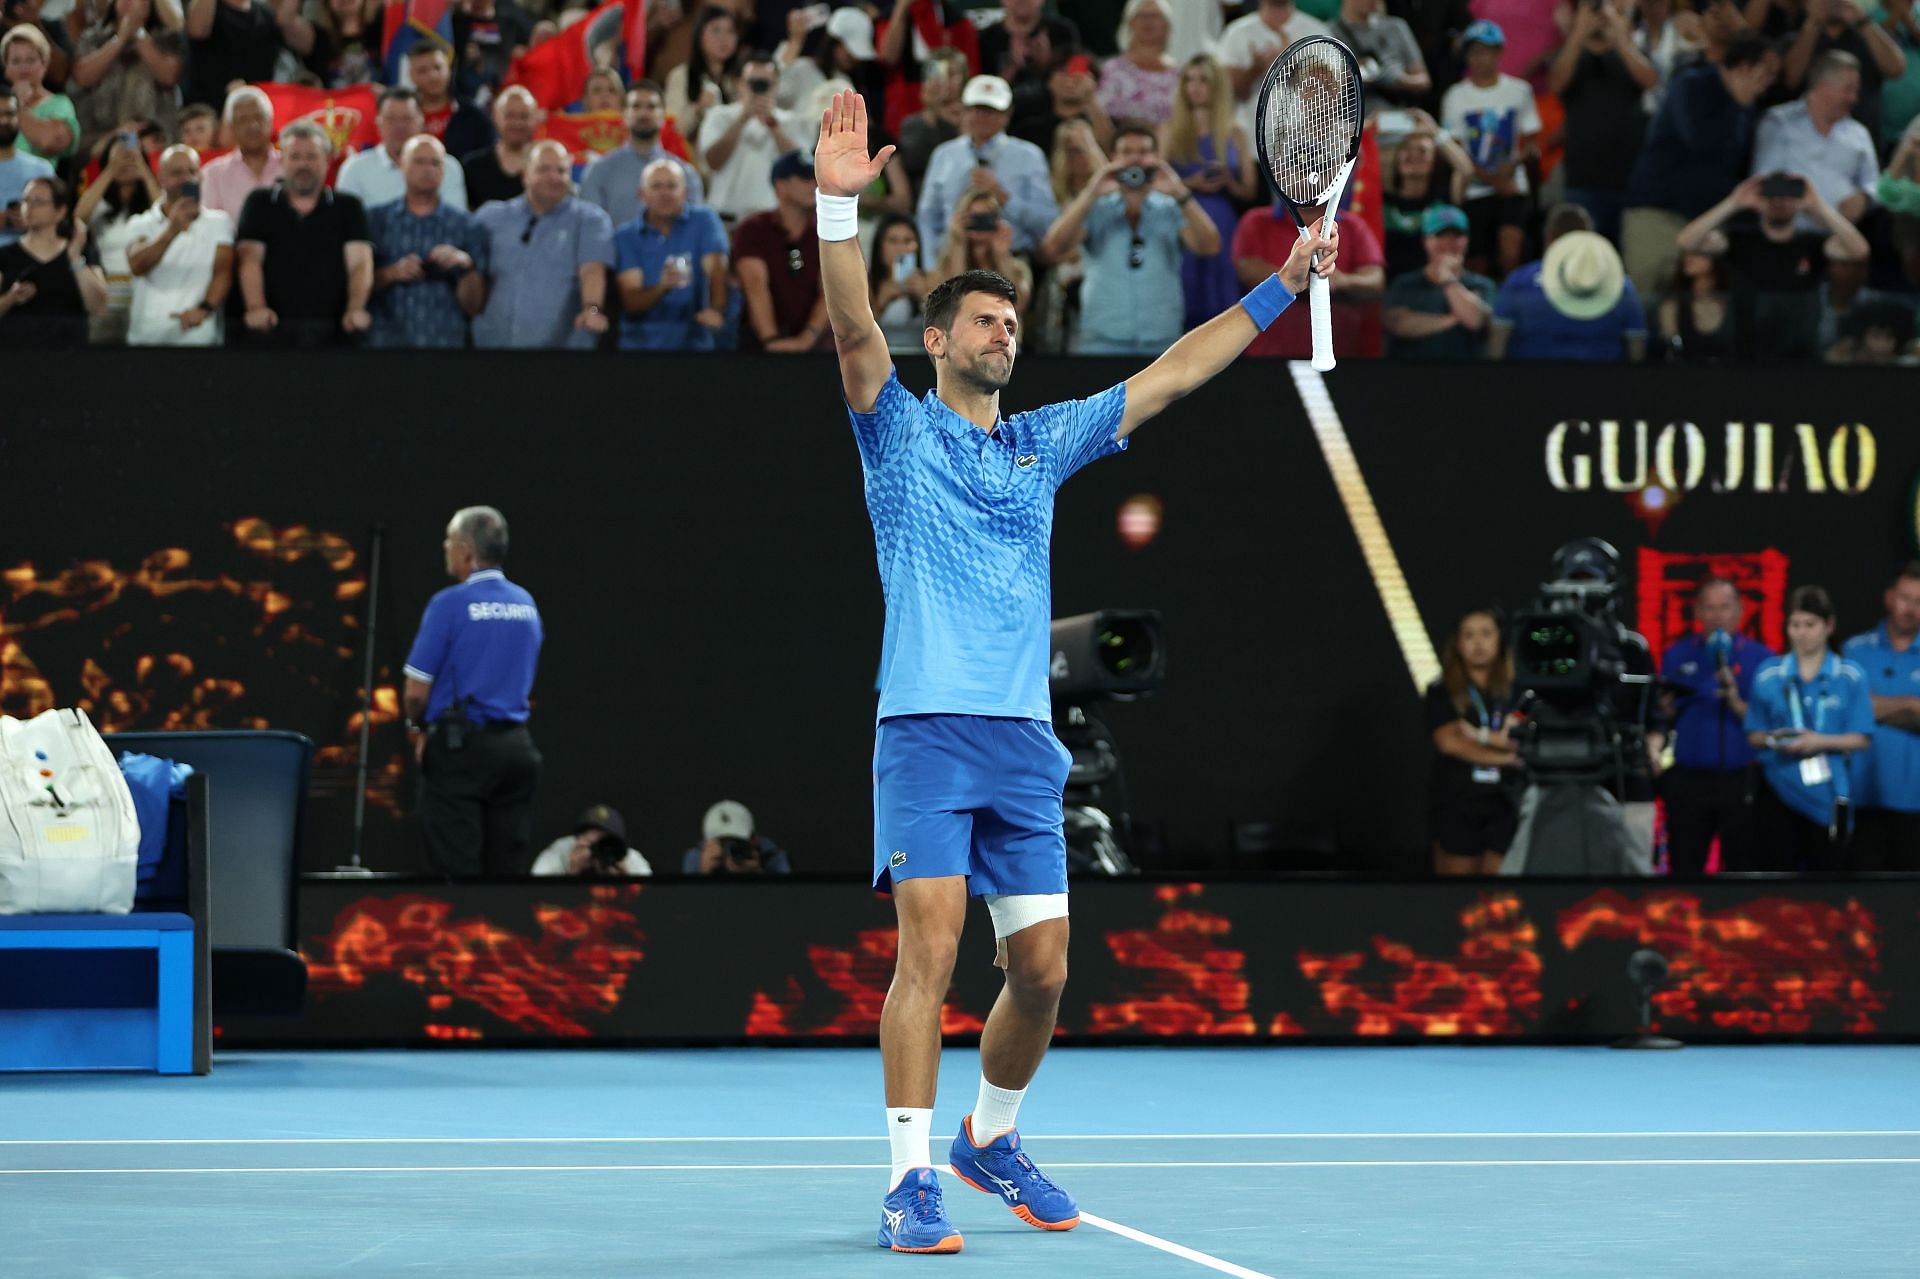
[[963, 526], [1706, 733], [1890, 775], [637, 246], [1835, 701], [478, 641]]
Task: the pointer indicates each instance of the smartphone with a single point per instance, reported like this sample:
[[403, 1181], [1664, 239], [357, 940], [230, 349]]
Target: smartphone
[[983, 222], [1782, 186], [816, 15], [682, 263], [1079, 64], [982, 162], [903, 266], [189, 191]]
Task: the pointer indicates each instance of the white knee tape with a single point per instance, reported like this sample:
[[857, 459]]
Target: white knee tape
[[1013, 911]]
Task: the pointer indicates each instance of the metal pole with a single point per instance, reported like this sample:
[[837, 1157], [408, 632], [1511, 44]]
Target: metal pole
[[366, 695]]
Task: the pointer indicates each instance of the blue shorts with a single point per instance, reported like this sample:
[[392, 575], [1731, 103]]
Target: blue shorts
[[970, 795]]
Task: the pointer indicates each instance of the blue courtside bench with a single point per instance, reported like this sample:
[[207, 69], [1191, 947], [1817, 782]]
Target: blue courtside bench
[[117, 992]]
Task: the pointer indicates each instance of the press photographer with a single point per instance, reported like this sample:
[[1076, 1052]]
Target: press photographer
[[731, 846], [597, 848]]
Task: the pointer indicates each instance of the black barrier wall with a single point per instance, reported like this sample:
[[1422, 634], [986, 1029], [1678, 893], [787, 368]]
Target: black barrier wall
[[186, 544], [567, 962]]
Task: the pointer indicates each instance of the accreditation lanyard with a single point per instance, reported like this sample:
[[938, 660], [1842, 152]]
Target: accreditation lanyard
[[1815, 770], [1489, 719]]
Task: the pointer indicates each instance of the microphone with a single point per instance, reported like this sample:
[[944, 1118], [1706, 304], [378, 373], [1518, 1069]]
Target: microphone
[[1722, 644]]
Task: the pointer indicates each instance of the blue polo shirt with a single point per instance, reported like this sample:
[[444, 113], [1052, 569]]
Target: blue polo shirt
[[534, 269], [1835, 701], [637, 246], [963, 527], [1706, 733], [1890, 775], [478, 641]]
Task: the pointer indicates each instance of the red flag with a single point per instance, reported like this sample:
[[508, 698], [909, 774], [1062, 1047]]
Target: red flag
[[1364, 194], [635, 34], [347, 115], [555, 71], [586, 134]]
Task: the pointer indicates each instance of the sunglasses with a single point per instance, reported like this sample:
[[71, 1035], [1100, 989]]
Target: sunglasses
[[796, 261], [1137, 258]]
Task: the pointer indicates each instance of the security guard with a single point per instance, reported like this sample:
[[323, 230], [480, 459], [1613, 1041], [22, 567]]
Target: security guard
[[468, 677], [1887, 829], [1709, 789]]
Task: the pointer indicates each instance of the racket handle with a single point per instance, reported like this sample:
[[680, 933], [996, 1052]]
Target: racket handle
[[1322, 309]]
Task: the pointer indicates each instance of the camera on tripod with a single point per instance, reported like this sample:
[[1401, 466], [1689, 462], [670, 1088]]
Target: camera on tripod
[[1117, 655]]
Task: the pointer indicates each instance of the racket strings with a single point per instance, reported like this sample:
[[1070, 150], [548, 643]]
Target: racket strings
[[1312, 119]]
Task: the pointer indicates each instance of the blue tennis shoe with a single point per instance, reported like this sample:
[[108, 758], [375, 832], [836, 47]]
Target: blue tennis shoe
[[1001, 1167], [914, 1219]]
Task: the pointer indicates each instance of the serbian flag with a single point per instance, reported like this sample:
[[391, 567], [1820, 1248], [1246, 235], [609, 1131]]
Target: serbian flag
[[585, 134], [347, 115], [555, 71], [408, 23], [634, 32]]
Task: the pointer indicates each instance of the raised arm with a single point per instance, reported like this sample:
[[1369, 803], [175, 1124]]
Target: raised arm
[[1191, 362], [843, 169]]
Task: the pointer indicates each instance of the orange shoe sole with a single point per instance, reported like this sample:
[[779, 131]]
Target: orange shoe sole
[[952, 1243], [1020, 1210]]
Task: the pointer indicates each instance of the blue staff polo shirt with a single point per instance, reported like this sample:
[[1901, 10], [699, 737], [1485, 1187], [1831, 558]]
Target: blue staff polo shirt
[[638, 246], [425, 313], [1706, 733], [478, 641], [1835, 701], [963, 527], [1891, 775]]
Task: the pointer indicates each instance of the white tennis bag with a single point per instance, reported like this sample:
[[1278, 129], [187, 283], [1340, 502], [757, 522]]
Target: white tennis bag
[[69, 839]]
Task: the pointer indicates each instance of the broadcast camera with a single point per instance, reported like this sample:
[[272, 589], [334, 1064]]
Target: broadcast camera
[[1584, 680], [1116, 655]]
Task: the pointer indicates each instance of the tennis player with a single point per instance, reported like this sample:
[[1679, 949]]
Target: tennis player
[[968, 775]]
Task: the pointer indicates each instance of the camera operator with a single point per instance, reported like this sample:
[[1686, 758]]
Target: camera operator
[[468, 677], [1710, 788], [1471, 806], [597, 847], [731, 846], [1811, 710]]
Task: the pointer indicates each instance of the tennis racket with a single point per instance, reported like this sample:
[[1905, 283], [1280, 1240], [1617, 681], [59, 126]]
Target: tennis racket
[[1307, 127]]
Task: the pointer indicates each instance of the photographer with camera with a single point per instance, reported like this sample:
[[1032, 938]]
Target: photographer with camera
[[1133, 220], [739, 141], [1811, 711], [469, 674], [730, 846], [1710, 788], [597, 848]]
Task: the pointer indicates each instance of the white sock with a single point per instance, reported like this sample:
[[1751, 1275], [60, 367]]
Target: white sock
[[908, 1132], [994, 1112]]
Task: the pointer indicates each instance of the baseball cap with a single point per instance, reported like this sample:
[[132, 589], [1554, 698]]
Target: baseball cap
[[603, 817], [728, 819], [793, 164], [988, 91], [853, 28], [1442, 217], [1484, 31]]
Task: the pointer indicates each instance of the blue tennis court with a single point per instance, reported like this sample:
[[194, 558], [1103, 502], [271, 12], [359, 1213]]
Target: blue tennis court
[[1250, 1162]]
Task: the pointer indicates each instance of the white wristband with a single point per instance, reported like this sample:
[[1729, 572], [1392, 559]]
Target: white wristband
[[838, 215]]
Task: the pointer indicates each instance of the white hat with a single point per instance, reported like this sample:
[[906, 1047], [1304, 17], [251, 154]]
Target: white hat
[[1582, 275], [853, 28], [728, 819], [988, 91]]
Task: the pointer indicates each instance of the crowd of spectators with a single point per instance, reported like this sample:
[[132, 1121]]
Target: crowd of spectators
[[1606, 180]]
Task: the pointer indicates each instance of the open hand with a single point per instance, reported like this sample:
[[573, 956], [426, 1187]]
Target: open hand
[[841, 165]]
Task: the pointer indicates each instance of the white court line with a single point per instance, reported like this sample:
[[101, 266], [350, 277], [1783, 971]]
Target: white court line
[[1178, 1250], [1224, 1163], [1103, 1136]]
